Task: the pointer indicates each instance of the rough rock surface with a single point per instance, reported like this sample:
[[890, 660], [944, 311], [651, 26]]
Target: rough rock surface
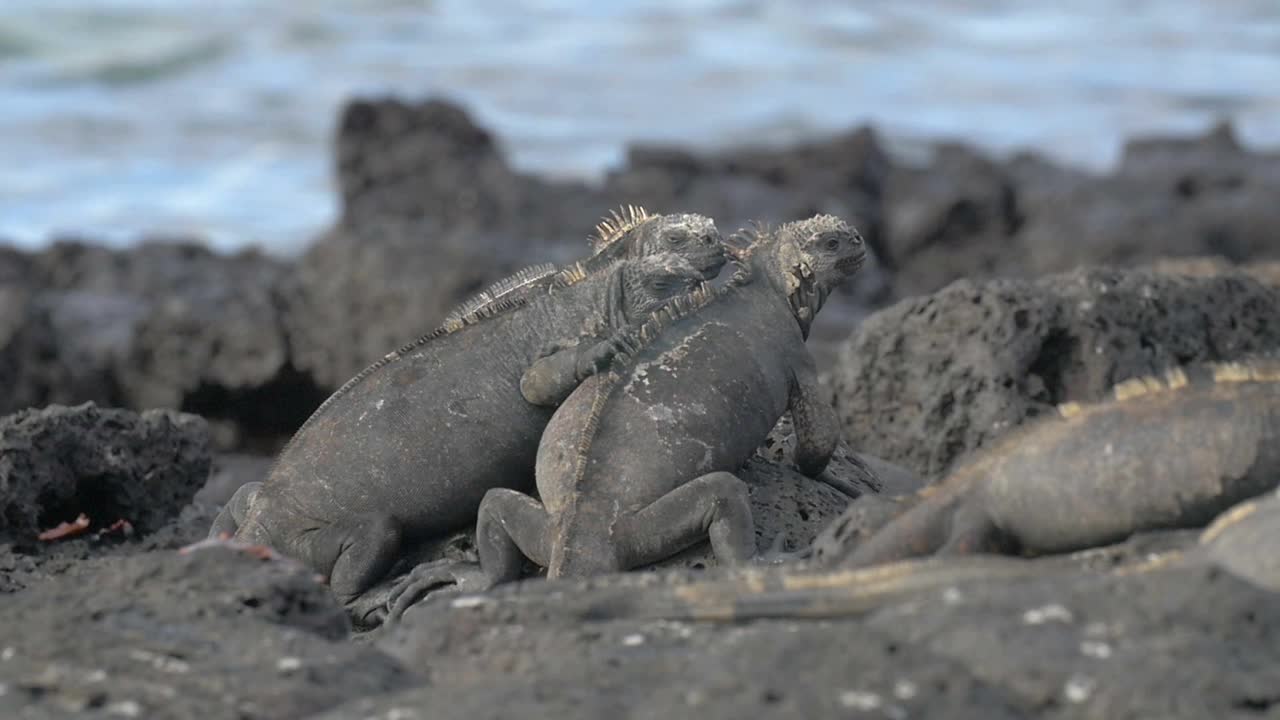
[[110, 464], [1060, 643], [213, 633], [965, 215], [165, 324], [931, 378]]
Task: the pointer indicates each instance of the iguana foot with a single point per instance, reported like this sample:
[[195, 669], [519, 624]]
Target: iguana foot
[[776, 555], [429, 579]]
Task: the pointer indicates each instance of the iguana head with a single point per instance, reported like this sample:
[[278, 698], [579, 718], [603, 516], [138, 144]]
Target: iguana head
[[651, 281], [634, 233], [808, 259]]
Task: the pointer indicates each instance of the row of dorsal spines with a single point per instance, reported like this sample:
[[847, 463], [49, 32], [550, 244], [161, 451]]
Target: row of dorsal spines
[[1256, 369], [473, 307], [613, 228]]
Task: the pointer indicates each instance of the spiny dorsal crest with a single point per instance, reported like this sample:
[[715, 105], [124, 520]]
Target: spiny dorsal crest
[[1264, 370], [675, 310], [570, 275], [475, 305], [620, 222]]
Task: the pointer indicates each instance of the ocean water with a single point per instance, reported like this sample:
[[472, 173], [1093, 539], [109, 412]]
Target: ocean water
[[120, 118]]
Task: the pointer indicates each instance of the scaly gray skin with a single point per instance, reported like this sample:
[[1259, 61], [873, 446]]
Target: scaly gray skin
[[406, 451], [1163, 454], [637, 463]]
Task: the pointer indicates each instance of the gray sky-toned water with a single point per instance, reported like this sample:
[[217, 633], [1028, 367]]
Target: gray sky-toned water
[[125, 117]]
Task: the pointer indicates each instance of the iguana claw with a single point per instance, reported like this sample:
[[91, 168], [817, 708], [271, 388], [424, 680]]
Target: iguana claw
[[775, 555], [428, 579]]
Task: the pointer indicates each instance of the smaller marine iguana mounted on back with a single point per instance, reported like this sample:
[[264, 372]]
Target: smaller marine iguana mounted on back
[[1163, 453], [405, 451], [638, 462]]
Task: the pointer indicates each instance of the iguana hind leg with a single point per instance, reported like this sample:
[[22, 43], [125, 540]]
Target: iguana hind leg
[[714, 505], [233, 513], [358, 552], [510, 526]]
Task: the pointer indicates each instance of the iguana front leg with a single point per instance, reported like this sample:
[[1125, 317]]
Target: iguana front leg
[[558, 370], [817, 427]]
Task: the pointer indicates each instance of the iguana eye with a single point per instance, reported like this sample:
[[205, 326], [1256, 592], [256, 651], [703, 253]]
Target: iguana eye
[[833, 243], [676, 238]]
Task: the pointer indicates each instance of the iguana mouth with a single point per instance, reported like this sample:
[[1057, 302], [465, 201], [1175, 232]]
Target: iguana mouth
[[851, 265], [713, 267]]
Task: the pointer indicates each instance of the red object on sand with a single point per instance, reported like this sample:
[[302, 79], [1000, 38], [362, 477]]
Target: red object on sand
[[66, 529]]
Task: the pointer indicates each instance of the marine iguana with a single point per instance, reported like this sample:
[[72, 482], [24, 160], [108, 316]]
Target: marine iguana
[[406, 450], [1163, 453], [638, 462]]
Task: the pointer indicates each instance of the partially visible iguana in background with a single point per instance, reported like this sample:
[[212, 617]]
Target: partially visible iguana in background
[[1164, 453], [637, 464], [406, 449]]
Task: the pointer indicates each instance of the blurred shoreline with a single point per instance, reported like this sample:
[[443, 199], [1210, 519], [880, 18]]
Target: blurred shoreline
[[126, 118]]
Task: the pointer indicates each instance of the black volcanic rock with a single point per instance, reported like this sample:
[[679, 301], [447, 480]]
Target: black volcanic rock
[[931, 378]]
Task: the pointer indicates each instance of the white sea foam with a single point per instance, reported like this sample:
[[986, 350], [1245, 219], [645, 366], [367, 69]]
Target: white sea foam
[[119, 117]]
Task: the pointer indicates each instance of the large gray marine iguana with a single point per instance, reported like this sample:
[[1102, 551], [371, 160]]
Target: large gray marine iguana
[[638, 461], [1162, 453], [406, 450]]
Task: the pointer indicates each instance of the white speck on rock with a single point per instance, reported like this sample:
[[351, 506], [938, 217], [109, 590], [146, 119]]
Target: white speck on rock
[[633, 640], [904, 690], [125, 708], [96, 676], [952, 596], [161, 662], [380, 403], [402, 713], [469, 601], [859, 700], [1079, 688], [1048, 613], [7, 654], [287, 664], [1094, 649]]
